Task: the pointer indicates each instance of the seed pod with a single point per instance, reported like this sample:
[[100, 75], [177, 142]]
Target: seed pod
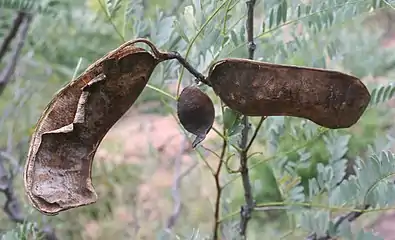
[[195, 111], [57, 174], [328, 98]]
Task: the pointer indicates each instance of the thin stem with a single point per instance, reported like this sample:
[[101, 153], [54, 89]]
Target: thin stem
[[249, 206], [11, 35], [178, 176], [255, 133], [225, 138], [261, 35], [21, 26], [110, 20], [246, 209], [351, 216], [308, 205], [226, 20], [211, 151], [250, 28], [77, 68], [283, 154], [219, 191], [218, 186], [160, 91], [389, 4], [195, 38], [168, 56], [175, 55], [230, 170], [12, 205]]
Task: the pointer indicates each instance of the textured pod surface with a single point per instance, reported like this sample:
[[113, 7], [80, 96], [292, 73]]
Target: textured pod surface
[[195, 111], [328, 98], [57, 174]]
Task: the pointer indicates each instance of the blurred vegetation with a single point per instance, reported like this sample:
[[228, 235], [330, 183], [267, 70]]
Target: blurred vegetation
[[65, 37]]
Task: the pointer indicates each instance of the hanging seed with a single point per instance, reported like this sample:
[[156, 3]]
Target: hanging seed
[[195, 111], [328, 98], [58, 169]]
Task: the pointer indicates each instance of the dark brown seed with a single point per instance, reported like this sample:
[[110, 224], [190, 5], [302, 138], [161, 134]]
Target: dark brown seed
[[328, 98], [195, 111]]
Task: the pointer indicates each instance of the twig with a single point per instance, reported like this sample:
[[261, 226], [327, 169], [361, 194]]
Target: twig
[[12, 205], [175, 55], [230, 170], [352, 216], [249, 206], [135, 224], [255, 133], [21, 25], [250, 28], [219, 190], [178, 176], [246, 210], [13, 31]]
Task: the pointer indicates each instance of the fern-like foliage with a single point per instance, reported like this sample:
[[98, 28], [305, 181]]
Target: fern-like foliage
[[370, 186], [47, 7], [371, 183], [309, 162], [382, 94]]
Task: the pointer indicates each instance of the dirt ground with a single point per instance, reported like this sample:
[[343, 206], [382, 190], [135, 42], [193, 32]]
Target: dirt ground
[[385, 226]]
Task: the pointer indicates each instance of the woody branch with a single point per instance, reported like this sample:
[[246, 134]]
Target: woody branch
[[248, 207]]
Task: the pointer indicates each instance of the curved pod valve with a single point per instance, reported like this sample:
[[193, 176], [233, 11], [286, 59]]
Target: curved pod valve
[[58, 169]]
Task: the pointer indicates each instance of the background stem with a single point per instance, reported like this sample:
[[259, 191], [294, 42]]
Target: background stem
[[246, 210]]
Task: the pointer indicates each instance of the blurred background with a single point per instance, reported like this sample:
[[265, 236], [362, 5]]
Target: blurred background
[[150, 183]]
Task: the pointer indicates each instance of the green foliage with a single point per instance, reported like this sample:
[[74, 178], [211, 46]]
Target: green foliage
[[370, 184], [306, 170], [21, 232], [318, 165], [367, 186], [46, 7], [382, 94]]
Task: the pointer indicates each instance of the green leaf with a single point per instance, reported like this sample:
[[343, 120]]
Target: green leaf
[[268, 189], [197, 6], [234, 37], [271, 18], [369, 185], [284, 11], [242, 33], [344, 230], [299, 11], [181, 31], [263, 27], [235, 130], [279, 14], [113, 6], [230, 117], [33, 6], [381, 94], [308, 9], [315, 221]]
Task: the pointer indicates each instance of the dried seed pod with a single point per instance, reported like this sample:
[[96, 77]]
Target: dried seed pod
[[328, 98], [195, 111], [57, 174]]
